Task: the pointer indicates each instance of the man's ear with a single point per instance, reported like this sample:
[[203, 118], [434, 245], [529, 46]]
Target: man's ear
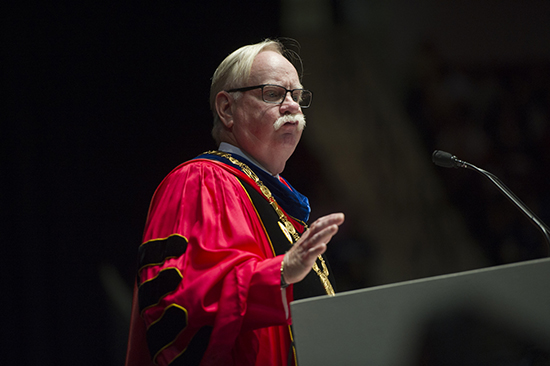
[[224, 107]]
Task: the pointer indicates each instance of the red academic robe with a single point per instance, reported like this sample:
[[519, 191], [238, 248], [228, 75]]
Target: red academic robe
[[209, 275]]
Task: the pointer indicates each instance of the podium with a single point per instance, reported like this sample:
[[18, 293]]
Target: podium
[[488, 316]]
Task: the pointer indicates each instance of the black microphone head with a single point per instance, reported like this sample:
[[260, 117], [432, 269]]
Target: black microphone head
[[444, 159]]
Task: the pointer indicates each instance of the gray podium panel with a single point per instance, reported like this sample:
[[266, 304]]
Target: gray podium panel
[[467, 318]]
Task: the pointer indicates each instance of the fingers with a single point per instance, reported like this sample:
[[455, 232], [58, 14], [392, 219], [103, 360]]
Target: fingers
[[322, 230], [300, 258], [325, 221], [317, 244]]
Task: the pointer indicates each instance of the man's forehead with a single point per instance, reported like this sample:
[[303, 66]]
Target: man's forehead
[[271, 67]]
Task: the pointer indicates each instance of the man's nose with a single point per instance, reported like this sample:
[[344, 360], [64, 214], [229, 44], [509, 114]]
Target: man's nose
[[289, 104]]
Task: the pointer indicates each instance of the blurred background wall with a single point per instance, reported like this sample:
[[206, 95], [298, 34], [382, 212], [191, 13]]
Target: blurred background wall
[[103, 100]]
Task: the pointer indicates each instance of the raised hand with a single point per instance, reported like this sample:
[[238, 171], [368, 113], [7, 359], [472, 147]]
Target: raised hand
[[301, 257]]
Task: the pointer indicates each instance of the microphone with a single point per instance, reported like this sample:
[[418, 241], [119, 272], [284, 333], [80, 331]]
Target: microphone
[[447, 160]]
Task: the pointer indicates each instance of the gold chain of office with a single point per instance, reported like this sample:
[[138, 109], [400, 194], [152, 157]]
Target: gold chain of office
[[286, 226]]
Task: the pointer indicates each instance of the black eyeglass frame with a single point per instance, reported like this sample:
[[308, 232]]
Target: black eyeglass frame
[[261, 86]]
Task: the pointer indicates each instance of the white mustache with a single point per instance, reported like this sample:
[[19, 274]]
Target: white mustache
[[300, 118]]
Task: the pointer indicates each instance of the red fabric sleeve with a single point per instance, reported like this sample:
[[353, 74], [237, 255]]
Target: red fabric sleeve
[[231, 279]]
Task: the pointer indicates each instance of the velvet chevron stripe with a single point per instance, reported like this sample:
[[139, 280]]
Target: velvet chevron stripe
[[156, 251], [164, 331], [195, 350], [152, 291]]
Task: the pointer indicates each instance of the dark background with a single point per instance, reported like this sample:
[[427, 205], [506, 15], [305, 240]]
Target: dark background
[[102, 101]]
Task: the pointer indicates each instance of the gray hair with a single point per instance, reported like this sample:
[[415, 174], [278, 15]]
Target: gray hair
[[234, 72]]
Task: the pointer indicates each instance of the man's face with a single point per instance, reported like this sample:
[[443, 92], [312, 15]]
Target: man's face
[[254, 119]]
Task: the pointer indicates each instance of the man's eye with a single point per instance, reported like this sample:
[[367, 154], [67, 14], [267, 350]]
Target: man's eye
[[273, 94]]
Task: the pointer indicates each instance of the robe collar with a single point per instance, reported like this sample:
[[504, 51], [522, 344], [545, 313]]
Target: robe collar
[[289, 199]]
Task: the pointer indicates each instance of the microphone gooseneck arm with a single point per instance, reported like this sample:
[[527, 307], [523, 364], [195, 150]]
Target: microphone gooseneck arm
[[447, 160]]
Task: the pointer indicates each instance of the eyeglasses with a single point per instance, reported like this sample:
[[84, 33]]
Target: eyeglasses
[[276, 94]]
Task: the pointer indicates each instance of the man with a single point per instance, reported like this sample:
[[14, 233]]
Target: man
[[225, 248]]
